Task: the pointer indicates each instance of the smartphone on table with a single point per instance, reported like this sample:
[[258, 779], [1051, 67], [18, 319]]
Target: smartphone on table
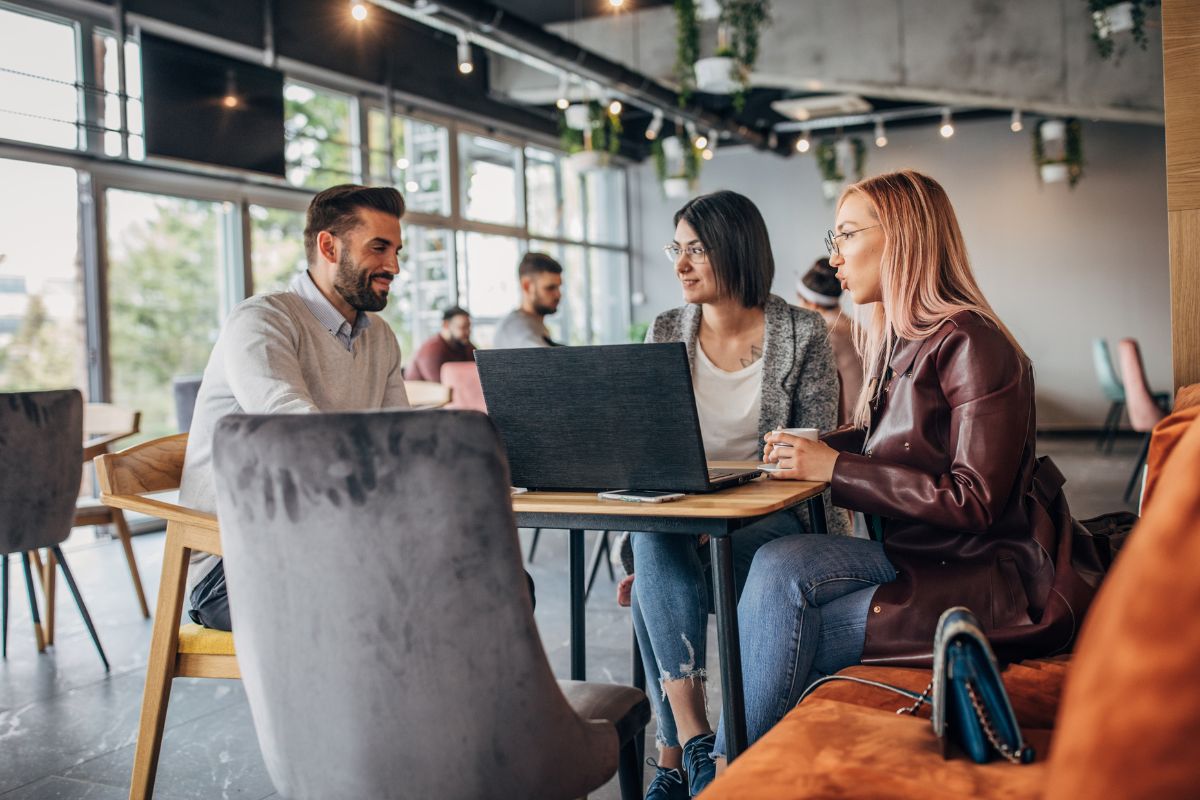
[[637, 496]]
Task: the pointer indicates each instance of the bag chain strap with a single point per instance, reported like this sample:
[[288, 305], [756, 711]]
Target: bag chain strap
[[985, 721], [922, 700]]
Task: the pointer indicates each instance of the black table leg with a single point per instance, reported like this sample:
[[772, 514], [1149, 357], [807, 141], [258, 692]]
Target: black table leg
[[578, 633], [816, 513], [733, 701]]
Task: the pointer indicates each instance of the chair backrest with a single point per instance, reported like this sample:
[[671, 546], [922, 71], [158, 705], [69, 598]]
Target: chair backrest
[[41, 462], [463, 378], [1109, 382], [153, 466], [185, 387], [105, 419], [427, 394], [383, 629], [1144, 413]]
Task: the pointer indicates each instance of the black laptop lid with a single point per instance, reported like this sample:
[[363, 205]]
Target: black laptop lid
[[594, 418]]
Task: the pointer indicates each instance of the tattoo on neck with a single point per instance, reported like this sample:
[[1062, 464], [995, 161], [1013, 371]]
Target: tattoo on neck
[[755, 355]]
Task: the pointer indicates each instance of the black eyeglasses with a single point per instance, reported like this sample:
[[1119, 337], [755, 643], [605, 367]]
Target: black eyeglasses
[[831, 238]]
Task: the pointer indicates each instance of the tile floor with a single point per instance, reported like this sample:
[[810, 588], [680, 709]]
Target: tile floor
[[67, 730]]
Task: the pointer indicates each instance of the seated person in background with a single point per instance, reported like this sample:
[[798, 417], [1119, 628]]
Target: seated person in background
[[757, 364], [819, 290], [541, 292], [313, 347], [940, 456], [451, 343]]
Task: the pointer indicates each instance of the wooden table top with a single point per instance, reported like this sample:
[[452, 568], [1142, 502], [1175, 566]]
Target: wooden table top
[[754, 499]]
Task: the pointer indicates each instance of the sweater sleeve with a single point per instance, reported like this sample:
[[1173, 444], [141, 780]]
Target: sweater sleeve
[[395, 395], [264, 371], [816, 399], [989, 393]]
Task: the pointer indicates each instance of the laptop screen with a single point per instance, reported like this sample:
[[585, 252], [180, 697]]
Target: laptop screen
[[596, 418]]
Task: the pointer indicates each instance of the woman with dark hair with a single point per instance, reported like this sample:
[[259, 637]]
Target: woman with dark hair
[[940, 457], [757, 364]]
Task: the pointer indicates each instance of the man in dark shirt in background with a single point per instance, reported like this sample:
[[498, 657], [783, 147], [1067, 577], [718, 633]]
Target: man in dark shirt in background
[[451, 343]]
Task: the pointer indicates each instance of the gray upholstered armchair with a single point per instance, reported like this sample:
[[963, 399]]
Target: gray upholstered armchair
[[382, 625]]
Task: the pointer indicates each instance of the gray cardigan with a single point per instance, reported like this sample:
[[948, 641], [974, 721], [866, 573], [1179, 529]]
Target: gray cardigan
[[799, 380]]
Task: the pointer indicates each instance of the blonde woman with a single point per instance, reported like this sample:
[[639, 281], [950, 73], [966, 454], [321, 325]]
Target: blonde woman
[[940, 457]]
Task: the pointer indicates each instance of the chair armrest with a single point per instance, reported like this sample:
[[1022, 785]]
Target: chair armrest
[[99, 445], [202, 531]]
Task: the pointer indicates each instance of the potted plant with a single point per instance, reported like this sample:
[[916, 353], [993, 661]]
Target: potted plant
[[719, 74], [677, 165], [1058, 151], [687, 47], [592, 145], [1109, 18], [835, 159], [743, 19], [727, 72]]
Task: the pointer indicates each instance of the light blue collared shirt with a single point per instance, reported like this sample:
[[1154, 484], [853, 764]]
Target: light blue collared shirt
[[329, 317]]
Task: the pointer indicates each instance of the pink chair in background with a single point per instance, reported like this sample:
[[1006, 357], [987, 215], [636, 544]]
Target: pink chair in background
[[463, 379], [1144, 412]]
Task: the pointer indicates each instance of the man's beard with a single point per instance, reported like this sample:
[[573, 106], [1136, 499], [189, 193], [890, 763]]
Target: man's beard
[[544, 310], [355, 286]]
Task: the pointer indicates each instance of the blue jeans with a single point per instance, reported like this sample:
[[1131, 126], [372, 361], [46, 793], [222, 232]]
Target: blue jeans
[[802, 615], [671, 601]]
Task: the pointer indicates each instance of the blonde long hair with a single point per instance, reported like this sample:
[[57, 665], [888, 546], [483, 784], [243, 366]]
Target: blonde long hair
[[925, 275]]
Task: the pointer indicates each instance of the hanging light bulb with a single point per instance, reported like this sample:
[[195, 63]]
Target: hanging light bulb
[[707, 154], [947, 129], [616, 3], [358, 10], [465, 65], [655, 126], [230, 99], [1016, 125], [701, 142], [615, 107], [802, 144], [690, 127], [563, 101], [402, 163], [881, 139]]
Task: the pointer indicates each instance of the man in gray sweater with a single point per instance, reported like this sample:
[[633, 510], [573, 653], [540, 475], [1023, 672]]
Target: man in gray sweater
[[311, 348], [541, 292]]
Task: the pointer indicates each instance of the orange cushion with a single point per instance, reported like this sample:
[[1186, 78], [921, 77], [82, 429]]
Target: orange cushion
[[1129, 726], [829, 749]]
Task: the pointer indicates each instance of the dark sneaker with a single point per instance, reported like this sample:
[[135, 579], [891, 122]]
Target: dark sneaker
[[698, 762], [667, 784]]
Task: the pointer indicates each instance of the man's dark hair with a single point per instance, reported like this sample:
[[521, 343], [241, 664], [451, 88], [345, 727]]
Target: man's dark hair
[[537, 263], [732, 231], [454, 311], [336, 210]]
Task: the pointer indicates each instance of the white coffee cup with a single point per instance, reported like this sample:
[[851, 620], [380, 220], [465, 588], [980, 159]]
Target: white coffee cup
[[802, 433]]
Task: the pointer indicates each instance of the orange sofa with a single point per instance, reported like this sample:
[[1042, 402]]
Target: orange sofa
[[1120, 718]]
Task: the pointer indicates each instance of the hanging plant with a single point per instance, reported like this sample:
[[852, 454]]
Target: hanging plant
[[1102, 32], [744, 20], [678, 171], [601, 136], [837, 157], [1059, 155], [687, 48]]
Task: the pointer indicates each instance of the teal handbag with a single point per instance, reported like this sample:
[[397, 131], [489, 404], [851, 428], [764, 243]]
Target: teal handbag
[[970, 705]]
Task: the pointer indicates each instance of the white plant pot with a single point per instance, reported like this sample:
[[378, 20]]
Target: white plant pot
[[578, 117], [716, 75], [708, 10], [1053, 130], [676, 188], [672, 148], [1055, 173], [587, 160]]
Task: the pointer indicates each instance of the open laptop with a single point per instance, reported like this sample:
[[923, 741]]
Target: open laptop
[[599, 418]]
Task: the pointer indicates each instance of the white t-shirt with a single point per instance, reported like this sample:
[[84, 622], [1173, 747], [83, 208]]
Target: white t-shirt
[[729, 405]]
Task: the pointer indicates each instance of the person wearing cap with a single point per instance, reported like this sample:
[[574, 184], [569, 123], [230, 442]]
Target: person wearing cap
[[820, 290]]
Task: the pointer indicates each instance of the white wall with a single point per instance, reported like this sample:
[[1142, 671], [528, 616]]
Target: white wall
[[1060, 266]]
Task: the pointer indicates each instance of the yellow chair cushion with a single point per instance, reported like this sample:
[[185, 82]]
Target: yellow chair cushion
[[199, 640]]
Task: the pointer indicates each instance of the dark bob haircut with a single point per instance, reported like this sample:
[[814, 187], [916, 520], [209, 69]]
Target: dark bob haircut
[[336, 210], [733, 232]]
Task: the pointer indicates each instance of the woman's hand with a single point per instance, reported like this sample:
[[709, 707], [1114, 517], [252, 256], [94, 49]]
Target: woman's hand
[[799, 459]]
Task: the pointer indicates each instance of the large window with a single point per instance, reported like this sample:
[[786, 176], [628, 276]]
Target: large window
[[166, 267], [109, 99], [425, 287], [420, 164], [38, 74], [491, 290], [491, 180], [320, 131], [42, 337], [276, 247]]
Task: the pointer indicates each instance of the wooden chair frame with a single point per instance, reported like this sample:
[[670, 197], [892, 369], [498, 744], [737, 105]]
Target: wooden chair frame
[[126, 478]]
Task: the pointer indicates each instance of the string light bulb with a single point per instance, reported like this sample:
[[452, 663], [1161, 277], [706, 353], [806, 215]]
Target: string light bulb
[[616, 3], [881, 139], [1016, 125], [230, 100], [707, 154], [947, 129], [358, 10], [465, 65], [563, 101], [615, 107], [655, 126], [802, 144]]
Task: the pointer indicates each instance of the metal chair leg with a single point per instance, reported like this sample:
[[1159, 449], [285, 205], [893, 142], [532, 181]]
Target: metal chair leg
[[629, 770], [1137, 467], [599, 554], [33, 604], [87, 618], [537, 533], [1114, 410], [1115, 428]]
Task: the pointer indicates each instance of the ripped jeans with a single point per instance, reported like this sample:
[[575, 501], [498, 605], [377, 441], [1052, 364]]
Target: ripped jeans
[[672, 596]]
